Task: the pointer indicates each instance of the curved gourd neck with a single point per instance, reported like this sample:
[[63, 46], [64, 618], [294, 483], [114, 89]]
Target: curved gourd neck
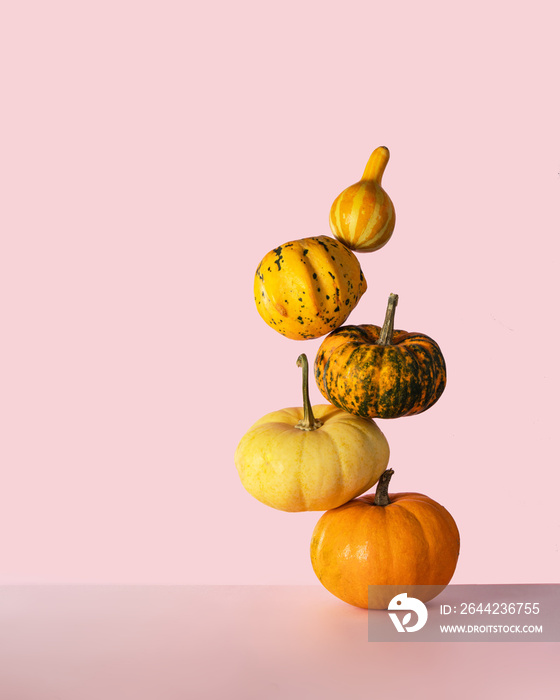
[[376, 165]]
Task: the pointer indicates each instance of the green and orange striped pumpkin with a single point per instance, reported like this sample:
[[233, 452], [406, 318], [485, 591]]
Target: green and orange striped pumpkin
[[380, 372], [363, 216]]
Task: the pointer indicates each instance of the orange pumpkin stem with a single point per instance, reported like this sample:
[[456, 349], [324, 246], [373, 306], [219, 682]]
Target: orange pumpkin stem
[[386, 335], [308, 422], [376, 165], [382, 490]]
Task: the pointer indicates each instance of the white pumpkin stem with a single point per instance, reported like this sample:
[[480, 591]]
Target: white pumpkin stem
[[382, 490], [376, 165], [386, 335], [308, 422]]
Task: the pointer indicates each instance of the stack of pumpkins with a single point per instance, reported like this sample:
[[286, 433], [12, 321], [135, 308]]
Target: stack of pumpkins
[[323, 457]]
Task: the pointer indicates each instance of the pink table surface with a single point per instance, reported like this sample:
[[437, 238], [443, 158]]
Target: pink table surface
[[177, 642]]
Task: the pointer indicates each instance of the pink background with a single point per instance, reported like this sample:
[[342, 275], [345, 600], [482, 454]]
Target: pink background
[[150, 155]]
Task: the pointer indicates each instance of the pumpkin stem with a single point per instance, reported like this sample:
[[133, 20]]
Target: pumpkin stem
[[376, 164], [308, 422], [382, 490], [386, 335]]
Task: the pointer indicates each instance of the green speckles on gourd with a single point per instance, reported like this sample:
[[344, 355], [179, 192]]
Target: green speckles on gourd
[[279, 257]]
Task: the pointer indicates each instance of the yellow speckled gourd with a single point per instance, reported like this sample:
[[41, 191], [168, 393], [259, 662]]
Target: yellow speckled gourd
[[363, 216], [308, 287], [310, 458]]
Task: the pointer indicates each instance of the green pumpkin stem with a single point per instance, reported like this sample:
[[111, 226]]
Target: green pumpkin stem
[[386, 335], [308, 422], [382, 490]]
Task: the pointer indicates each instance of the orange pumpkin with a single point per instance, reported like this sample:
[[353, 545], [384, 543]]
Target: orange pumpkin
[[384, 544]]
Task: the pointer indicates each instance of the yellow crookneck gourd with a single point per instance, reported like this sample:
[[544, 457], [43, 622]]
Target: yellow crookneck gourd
[[310, 458], [363, 216]]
